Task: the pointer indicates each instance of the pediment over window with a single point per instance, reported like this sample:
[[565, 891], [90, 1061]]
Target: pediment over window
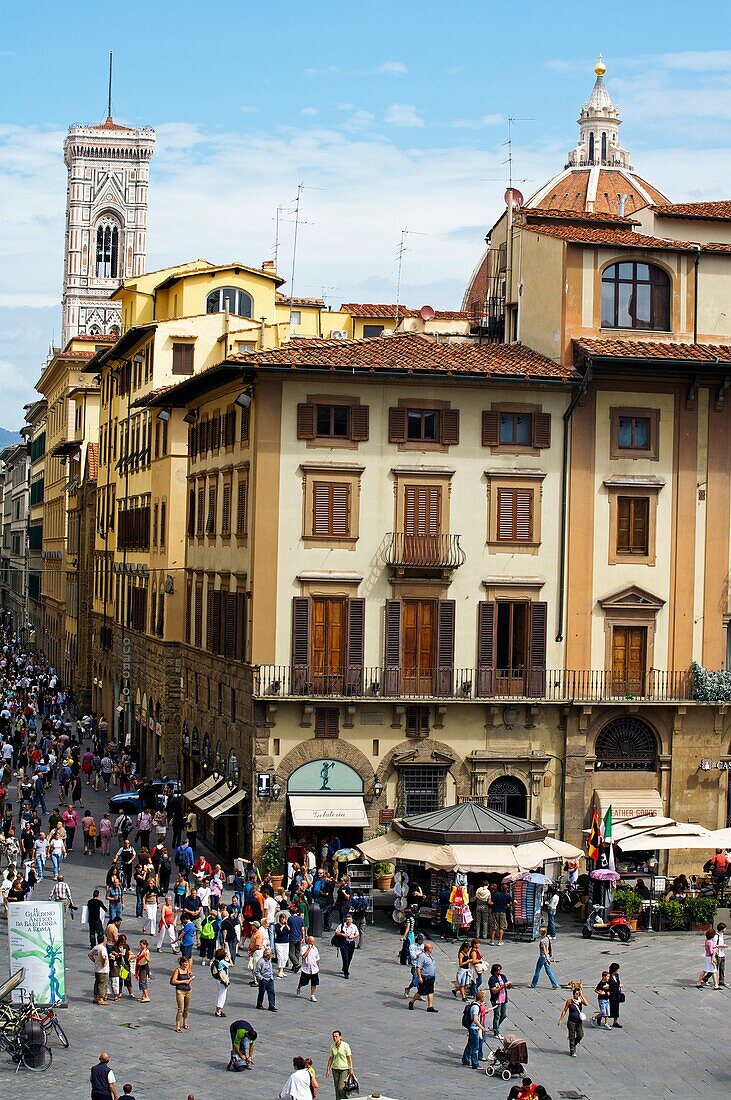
[[633, 598]]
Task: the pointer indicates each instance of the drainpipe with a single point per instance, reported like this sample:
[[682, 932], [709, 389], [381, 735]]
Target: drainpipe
[[564, 499], [697, 248]]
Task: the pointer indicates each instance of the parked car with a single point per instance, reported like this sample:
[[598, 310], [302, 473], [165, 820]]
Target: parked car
[[129, 801]]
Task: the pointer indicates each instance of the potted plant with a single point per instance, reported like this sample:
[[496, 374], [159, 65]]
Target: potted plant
[[701, 913], [383, 874], [630, 903], [672, 914], [271, 858]]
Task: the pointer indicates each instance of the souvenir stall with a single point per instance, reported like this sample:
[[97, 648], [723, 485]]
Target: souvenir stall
[[470, 839]]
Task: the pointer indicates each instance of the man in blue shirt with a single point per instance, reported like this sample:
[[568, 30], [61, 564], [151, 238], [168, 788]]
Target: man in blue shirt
[[187, 939], [426, 973], [296, 927]]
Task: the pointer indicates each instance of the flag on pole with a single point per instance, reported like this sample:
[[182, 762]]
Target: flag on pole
[[607, 831], [594, 837]]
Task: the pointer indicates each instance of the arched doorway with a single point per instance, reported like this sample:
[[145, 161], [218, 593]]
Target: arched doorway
[[508, 795]]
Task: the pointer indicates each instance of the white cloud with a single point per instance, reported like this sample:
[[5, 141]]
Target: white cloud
[[695, 61], [403, 114], [392, 68], [308, 111], [478, 123], [329, 70], [346, 106], [249, 110], [357, 120]]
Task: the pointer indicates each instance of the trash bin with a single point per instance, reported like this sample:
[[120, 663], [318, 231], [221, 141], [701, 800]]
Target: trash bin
[[316, 920]]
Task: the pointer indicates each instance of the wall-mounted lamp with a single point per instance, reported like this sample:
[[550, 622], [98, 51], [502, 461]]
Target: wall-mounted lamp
[[245, 398], [191, 416], [96, 379], [377, 788], [138, 358], [169, 585], [276, 789], [164, 414]]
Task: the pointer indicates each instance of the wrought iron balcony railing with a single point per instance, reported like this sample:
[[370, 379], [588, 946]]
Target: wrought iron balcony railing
[[423, 551]]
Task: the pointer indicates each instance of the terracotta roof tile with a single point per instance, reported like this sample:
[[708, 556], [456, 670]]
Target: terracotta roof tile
[[285, 300], [141, 402], [411, 353], [578, 215], [655, 349], [716, 211], [612, 238]]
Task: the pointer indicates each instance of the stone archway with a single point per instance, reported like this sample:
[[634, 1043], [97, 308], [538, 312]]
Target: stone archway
[[317, 748], [427, 751]]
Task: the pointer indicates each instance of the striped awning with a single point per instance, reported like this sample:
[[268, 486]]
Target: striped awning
[[228, 803], [203, 788]]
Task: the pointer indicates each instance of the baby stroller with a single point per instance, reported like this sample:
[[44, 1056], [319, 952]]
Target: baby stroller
[[509, 1060]]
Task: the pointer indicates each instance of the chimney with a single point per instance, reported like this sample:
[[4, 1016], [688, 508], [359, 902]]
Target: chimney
[[269, 265]]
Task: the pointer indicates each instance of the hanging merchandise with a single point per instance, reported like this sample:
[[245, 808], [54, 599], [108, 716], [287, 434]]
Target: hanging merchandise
[[459, 914], [401, 890]]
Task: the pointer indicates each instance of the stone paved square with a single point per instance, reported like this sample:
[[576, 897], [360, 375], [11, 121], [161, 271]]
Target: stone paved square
[[673, 1043]]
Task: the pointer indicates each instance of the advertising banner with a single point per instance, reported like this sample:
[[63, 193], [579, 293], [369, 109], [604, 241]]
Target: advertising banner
[[36, 942]]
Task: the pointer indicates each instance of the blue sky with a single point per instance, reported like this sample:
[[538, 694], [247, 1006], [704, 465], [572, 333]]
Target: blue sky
[[393, 115]]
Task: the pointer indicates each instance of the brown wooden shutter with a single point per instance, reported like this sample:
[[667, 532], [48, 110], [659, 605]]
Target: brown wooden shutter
[[485, 647], [216, 432], [212, 501], [321, 508], [359, 423], [445, 647], [524, 515], [449, 426], [182, 358], [300, 642], [506, 515], [212, 633], [306, 420], [245, 422], [226, 509], [541, 429], [230, 428], [155, 512], [191, 513], [163, 523], [397, 425], [422, 510], [340, 509], [201, 512], [490, 428], [355, 657], [623, 525], [228, 607], [392, 648], [640, 524], [241, 623], [538, 639], [241, 506], [199, 614]]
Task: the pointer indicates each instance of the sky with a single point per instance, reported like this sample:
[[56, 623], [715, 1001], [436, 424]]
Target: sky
[[394, 116]]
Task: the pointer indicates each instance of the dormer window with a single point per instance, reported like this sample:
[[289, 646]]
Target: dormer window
[[635, 295], [238, 302]]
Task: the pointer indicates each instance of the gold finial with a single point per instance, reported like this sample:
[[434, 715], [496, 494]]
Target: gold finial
[[600, 68]]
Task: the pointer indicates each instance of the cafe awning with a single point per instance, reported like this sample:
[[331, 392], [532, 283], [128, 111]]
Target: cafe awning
[[231, 800], [344, 810], [203, 788], [214, 796], [644, 801], [675, 834]]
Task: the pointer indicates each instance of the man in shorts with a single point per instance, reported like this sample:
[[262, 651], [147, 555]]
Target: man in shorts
[[498, 919], [602, 991]]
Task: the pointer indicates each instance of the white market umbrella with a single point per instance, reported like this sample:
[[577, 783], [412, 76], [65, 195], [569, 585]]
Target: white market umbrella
[[677, 834]]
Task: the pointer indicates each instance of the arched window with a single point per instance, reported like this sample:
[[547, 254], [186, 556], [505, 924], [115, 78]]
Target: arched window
[[239, 303], [604, 148], [195, 745], [107, 249], [635, 295], [508, 796], [232, 768], [185, 738], [219, 757], [207, 754], [591, 148], [626, 744]]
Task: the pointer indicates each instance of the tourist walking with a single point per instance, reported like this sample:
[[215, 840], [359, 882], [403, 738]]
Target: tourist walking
[[499, 915], [88, 828], [219, 972], [298, 1084], [545, 955], [347, 937], [483, 899], [720, 942], [102, 1079], [573, 1010], [264, 974], [602, 992], [181, 980], [105, 833], [94, 909], [281, 944], [142, 970], [616, 994], [99, 956], [426, 976], [165, 925], [498, 986], [462, 978], [57, 849], [709, 960], [477, 967], [309, 967], [475, 1029], [339, 1064]]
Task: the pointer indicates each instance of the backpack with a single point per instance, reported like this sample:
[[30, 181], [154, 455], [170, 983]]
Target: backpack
[[207, 931], [467, 1014]]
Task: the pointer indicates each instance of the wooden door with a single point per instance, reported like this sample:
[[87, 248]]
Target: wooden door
[[629, 660], [419, 646], [327, 645]]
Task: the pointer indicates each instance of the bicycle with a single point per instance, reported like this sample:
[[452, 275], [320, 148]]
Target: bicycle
[[26, 1044], [47, 1018]]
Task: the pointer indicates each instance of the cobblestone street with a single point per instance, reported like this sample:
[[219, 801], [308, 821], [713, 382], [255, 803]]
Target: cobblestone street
[[666, 1048]]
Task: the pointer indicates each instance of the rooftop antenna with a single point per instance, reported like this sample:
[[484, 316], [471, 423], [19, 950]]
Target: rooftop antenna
[[400, 258], [109, 95], [300, 189], [511, 122]]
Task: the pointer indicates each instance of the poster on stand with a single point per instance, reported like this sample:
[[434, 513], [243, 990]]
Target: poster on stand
[[36, 943]]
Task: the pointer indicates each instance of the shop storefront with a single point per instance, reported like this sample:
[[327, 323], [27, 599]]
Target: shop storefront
[[325, 802]]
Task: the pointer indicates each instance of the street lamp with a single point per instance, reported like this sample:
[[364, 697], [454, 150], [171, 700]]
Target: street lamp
[[652, 864]]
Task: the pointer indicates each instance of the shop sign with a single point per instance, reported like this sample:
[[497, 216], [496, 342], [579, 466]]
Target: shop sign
[[263, 785], [707, 765], [385, 817], [325, 777]]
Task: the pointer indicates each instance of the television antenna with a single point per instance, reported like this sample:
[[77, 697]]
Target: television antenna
[[400, 260], [509, 159], [297, 222]]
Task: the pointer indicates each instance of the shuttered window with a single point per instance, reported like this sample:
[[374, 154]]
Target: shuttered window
[[188, 610], [422, 509], [242, 497], [212, 501], [182, 358], [229, 430], [315, 421], [516, 429], [191, 513], [199, 614], [633, 525], [515, 515], [327, 721], [215, 432], [226, 509], [154, 524], [163, 523], [245, 420], [331, 509], [201, 511]]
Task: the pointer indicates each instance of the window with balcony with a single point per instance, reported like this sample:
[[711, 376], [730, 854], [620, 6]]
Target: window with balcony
[[511, 647], [328, 644], [635, 296], [419, 647]]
